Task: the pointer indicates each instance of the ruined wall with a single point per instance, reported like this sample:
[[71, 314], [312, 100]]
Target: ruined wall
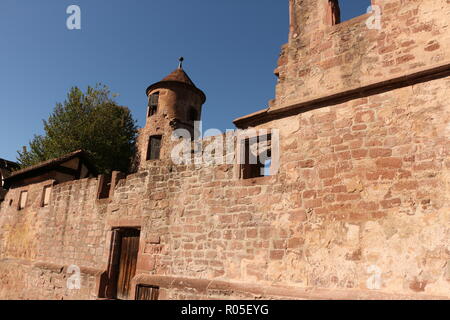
[[362, 184], [363, 188], [322, 59]]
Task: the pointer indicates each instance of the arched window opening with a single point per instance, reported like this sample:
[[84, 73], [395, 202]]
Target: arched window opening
[[153, 104]]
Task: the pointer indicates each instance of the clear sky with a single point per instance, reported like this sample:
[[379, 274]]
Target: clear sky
[[230, 47]]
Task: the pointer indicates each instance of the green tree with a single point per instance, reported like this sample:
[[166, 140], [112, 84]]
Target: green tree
[[91, 121]]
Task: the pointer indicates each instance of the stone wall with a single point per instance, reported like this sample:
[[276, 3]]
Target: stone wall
[[362, 193], [363, 186], [38, 244], [321, 59], [22, 279]]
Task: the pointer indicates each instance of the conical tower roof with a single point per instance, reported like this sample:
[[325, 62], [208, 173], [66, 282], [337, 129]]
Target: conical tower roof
[[180, 76], [177, 77]]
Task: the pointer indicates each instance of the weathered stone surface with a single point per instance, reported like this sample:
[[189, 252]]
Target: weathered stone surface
[[362, 190]]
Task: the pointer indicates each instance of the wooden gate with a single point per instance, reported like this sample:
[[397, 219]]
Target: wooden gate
[[129, 248]]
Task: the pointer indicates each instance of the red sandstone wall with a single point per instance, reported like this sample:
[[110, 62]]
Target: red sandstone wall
[[321, 59], [38, 244], [362, 183]]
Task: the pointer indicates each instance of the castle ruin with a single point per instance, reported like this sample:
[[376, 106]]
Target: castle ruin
[[357, 209]]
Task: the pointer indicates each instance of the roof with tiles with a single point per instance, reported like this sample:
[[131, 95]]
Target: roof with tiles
[[178, 76], [51, 164]]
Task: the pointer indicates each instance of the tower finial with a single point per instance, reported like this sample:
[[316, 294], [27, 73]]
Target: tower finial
[[180, 66]]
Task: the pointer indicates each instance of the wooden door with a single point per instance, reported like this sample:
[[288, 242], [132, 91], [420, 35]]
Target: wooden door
[[147, 292], [129, 248]]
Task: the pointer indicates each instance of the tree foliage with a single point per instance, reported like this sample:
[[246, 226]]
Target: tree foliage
[[91, 121]]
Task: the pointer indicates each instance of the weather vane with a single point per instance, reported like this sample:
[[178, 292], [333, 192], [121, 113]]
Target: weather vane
[[180, 66]]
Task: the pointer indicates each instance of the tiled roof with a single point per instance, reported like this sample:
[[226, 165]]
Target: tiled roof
[[54, 162], [8, 164], [180, 76]]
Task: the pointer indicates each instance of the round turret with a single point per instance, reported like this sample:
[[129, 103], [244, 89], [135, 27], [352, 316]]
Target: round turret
[[173, 103]]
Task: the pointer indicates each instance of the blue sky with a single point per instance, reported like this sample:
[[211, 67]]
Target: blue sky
[[230, 48]]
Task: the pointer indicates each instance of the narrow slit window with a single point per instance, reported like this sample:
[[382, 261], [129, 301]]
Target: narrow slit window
[[104, 187], [154, 148], [46, 196], [23, 200], [153, 104], [193, 114]]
